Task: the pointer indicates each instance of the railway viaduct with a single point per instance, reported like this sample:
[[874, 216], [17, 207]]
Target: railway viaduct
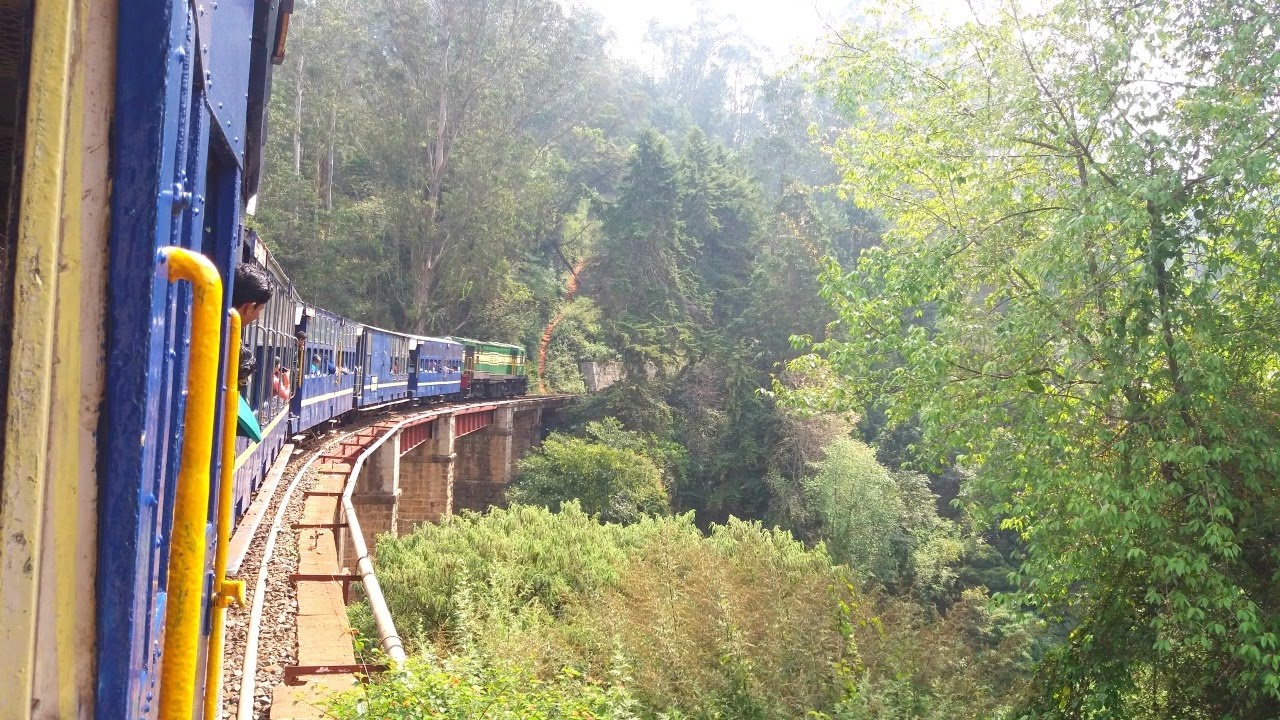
[[445, 462], [396, 474]]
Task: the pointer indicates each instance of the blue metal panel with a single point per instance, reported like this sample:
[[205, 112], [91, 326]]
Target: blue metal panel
[[160, 153], [436, 368], [153, 70], [382, 378], [225, 60]]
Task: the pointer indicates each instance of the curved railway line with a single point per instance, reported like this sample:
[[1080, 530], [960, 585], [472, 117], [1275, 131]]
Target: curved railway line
[[307, 497], [261, 636]]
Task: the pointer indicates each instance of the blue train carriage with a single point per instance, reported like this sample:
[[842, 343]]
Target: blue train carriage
[[436, 365], [174, 141], [383, 366], [326, 368], [492, 370], [272, 386]]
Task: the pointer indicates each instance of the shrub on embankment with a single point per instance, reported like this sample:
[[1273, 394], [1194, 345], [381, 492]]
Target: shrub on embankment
[[658, 619], [741, 617]]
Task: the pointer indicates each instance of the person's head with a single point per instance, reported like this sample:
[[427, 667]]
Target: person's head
[[251, 292], [248, 364]]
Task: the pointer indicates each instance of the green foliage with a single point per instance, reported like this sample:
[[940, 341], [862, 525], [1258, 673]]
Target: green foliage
[[670, 457], [410, 138], [709, 624], [639, 405], [721, 211], [534, 556], [1078, 291], [464, 687], [618, 484], [642, 276], [859, 505], [740, 622], [973, 663], [703, 626], [884, 524]]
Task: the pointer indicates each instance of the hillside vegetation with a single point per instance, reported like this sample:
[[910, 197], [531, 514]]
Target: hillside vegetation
[[950, 350]]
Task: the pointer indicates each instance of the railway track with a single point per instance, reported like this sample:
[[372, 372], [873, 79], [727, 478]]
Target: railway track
[[261, 639]]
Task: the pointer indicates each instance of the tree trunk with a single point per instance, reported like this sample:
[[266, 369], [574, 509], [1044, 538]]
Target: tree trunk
[[328, 185], [297, 120], [424, 256]]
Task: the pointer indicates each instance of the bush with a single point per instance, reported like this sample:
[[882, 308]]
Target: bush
[[859, 506], [620, 484], [886, 524], [465, 687], [741, 619], [740, 622], [522, 555]]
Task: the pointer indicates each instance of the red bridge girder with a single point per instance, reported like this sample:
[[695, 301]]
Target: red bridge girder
[[465, 423], [414, 435]]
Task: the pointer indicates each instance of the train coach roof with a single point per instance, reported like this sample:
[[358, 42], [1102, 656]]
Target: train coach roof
[[397, 333], [262, 254], [486, 342]]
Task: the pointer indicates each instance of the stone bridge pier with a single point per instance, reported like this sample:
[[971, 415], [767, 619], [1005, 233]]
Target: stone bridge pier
[[455, 460]]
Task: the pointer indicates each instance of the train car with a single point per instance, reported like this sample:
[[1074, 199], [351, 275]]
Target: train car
[[383, 369], [273, 384], [492, 370], [132, 136], [327, 369], [436, 368], [134, 143]]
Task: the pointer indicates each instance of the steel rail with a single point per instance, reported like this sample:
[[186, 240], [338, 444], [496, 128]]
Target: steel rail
[[248, 680]]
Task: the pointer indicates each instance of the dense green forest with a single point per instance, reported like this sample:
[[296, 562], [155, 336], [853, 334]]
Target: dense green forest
[[950, 351]]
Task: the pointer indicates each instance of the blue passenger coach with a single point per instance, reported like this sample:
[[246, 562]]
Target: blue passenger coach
[[437, 368], [326, 371], [384, 366], [270, 340]]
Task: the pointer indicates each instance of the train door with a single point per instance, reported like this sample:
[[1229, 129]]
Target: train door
[[364, 363], [177, 183]]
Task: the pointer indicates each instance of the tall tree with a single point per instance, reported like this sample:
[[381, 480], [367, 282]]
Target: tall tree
[[1080, 290], [642, 275], [721, 213], [705, 75]]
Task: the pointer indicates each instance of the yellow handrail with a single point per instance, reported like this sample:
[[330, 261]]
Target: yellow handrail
[[225, 592], [191, 504]]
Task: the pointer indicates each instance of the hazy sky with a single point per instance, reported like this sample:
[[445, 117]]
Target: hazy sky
[[776, 25]]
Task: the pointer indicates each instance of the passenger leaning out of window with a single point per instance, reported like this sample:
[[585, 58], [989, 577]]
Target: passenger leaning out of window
[[249, 296]]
